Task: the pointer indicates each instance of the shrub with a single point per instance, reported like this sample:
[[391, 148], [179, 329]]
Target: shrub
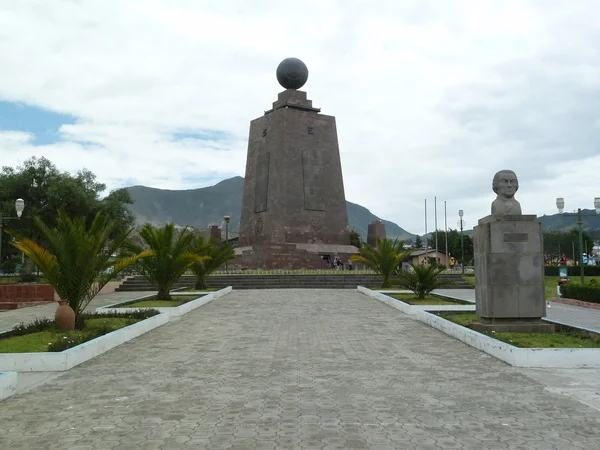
[[585, 293]]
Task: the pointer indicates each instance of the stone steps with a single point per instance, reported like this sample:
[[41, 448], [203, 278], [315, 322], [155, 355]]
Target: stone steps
[[338, 281]]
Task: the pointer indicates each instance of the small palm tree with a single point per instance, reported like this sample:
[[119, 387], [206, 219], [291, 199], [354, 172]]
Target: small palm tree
[[423, 279], [78, 260], [172, 255], [384, 259], [217, 255]]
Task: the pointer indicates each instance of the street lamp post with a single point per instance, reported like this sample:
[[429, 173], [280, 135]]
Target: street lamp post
[[19, 206], [560, 204], [462, 244], [227, 219]]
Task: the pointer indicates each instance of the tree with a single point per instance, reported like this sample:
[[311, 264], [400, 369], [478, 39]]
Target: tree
[[557, 243], [78, 260], [45, 190], [217, 255], [418, 242], [384, 259], [423, 279], [355, 239], [454, 248], [172, 255]]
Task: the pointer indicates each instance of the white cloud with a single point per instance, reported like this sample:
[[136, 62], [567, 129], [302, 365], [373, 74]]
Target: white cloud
[[431, 97]]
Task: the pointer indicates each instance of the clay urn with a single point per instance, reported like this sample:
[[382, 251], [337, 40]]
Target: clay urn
[[65, 316]]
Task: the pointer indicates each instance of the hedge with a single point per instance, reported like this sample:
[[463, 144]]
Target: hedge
[[586, 293], [592, 271]]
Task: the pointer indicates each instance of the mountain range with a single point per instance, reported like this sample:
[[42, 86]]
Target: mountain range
[[206, 206]]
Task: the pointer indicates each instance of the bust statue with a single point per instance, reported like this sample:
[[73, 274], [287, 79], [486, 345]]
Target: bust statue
[[505, 184]]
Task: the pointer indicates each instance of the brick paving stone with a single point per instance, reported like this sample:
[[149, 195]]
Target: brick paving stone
[[292, 369]]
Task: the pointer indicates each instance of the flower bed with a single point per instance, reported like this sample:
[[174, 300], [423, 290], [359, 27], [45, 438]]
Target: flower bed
[[80, 352]]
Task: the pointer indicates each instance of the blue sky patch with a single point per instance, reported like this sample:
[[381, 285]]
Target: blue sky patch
[[40, 122], [202, 135]]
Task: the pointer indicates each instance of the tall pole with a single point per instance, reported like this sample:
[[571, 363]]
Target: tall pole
[[579, 222], [426, 243], [436, 228], [462, 244], [446, 228]]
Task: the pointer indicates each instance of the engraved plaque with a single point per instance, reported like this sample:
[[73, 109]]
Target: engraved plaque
[[261, 187], [515, 237], [313, 173]]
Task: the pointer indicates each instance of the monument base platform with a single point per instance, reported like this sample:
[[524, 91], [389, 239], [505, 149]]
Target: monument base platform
[[512, 326], [291, 256]]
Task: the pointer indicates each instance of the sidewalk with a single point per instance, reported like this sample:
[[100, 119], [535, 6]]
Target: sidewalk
[[301, 369], [8, 319], [568, 314]]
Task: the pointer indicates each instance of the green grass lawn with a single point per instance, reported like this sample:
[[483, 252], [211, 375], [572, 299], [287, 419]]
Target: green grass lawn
[[178, 300], [470, 279], [412, 299], [560, 339], [551, 283], [38, 342]]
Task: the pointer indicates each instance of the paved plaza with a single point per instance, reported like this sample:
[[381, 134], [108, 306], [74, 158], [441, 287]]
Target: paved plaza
[[299, 369]]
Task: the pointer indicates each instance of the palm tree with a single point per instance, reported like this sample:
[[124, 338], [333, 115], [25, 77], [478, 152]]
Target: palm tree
[[78, 261], [423, 279], [217, 255], [384, 259], [172, 255]]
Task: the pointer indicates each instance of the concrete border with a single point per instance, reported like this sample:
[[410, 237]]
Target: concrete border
[[171, 312], [65, 360], [8, 384], [412, 309], [559, 358]]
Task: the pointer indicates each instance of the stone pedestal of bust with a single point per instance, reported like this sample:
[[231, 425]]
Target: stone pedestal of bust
[[509, 267]]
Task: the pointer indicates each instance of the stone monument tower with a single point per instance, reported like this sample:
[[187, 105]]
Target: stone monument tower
[[509, 265], [293, 209]]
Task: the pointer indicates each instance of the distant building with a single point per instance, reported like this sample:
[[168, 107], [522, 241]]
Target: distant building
[[422, 257]]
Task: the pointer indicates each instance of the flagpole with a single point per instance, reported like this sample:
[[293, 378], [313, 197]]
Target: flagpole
[[426, 244], [446, 227], [436, 228]]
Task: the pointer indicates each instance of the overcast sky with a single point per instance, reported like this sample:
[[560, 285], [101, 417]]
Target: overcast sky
[[431, 98]]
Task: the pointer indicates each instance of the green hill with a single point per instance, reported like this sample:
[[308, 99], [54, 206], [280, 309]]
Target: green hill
[[207, 206]]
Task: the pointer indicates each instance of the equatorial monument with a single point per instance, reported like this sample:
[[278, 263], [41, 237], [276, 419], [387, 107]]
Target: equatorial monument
[[509, 265], [294, 208]]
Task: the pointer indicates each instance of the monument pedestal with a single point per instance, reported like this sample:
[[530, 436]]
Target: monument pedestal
[[509, 275]]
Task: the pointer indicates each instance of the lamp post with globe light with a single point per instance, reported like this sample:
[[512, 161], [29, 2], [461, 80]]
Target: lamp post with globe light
[[560, 204], [19, 207]]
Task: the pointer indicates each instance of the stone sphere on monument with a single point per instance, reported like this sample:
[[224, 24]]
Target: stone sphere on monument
[[292, 73]]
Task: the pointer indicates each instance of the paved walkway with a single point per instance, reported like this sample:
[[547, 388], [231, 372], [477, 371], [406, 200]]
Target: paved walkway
[[296, 369], [569, 314]]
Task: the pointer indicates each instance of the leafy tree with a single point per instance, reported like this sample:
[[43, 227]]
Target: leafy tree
[[423, 279], [453, 244], [384, 259], [418, 242], [45, 190], [172, 255], [217, 255], [355, 239], [77, 260], [557, 243]]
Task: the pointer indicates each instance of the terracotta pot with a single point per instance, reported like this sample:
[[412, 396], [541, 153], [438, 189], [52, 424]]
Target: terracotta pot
[[65, 316]]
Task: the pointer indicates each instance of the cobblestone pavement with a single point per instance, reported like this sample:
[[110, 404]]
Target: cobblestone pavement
[[569, 314], [9, 319], [295, 369]]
